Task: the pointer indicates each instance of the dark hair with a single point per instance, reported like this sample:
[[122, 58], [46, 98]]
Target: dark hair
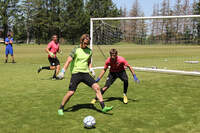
[[9, 34], [53, 36], [83, 37], [113, 51]]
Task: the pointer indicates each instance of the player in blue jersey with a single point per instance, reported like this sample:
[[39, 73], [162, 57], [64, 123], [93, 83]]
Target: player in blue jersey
[[9, 48]]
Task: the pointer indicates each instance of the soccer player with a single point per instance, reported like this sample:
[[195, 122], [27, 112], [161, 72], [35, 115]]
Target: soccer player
[[9, 48], [80, 63], [52, 48], [117, 70]]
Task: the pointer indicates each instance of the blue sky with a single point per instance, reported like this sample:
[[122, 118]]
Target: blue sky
[[145, 5]]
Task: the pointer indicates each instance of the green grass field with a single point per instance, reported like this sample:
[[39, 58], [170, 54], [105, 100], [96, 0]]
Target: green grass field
[[161, 103]]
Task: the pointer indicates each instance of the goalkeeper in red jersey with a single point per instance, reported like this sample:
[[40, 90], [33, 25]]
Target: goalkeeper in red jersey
[[117, 70]]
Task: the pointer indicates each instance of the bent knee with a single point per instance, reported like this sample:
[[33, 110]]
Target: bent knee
[[96, 86], [71, 93]]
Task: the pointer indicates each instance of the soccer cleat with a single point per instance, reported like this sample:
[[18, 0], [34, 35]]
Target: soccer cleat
[[55, 78], [13, 62], [125, 99], [40, 69], [93, 101], [106, 109], [60, 112]]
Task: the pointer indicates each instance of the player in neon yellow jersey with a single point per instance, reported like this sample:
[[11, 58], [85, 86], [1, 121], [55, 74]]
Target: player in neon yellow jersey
[[80, 63]]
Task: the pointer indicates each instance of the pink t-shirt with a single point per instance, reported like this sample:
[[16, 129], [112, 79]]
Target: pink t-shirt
[[53, 47], [116, 66]]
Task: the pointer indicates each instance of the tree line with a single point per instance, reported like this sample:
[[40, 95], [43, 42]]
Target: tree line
[[174, 31], [38, 20]]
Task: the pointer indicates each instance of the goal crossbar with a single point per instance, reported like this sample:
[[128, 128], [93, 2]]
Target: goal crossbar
[[151, 17]]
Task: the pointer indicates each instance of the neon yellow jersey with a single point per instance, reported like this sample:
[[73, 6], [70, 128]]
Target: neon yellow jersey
[[80, 59]]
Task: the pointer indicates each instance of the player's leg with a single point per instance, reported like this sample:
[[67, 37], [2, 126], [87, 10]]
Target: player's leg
[[12, 55], [75, 80], [57, 69], [64, 101], [110, 80], [6, 53], [89, 80], [51, 67], [123, 76]]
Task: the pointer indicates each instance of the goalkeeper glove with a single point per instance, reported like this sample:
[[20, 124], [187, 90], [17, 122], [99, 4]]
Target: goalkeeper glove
[[61, 74], [51, 54], [63, 70], [97, 80], [136, 79]]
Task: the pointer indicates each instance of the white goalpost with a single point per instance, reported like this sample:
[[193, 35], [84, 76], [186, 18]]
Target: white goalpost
[[152, 30]]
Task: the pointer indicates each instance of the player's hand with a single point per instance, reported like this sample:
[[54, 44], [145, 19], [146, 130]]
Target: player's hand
[[52, 55], [92, 72], [136, 79], [97, 80], [60, 52]]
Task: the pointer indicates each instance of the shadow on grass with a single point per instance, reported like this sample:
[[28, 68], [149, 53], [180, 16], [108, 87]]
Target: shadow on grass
[[50, 78], [90, 128], [107, 99], [84, 106]]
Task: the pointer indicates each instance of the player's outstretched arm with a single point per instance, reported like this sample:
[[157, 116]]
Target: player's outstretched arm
[[101, 75], [69, 59], [133, 73], [50, 53], [62, 72], [90, 68]]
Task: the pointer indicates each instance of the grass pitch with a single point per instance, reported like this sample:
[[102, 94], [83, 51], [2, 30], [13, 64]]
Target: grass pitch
[[161, 103]]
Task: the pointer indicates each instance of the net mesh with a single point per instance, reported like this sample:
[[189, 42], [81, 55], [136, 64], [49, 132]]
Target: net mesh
[[152, 31], [170, 44]]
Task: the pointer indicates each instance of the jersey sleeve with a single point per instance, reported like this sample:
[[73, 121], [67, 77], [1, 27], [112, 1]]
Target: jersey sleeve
[[125, 62], [73, 52], [107, 63], [6, 40]]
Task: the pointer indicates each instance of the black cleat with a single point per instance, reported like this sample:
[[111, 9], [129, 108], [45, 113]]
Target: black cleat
[[13, 62], [55, 78], [40, 69]]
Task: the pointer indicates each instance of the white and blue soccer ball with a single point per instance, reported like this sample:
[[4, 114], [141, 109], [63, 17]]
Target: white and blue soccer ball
[[89, 122]]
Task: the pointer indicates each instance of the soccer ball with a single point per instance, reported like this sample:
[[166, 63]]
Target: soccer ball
[[89, 121]]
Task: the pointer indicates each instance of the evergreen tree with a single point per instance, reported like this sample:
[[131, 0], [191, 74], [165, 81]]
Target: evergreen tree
[[7, 13], [75, 20]]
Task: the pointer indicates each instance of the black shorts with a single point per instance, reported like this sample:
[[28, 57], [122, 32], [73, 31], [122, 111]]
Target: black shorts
[[81, 77], [112, 76], [53, 61]]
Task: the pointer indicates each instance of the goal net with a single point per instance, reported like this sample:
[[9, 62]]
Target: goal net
[[167, 44]]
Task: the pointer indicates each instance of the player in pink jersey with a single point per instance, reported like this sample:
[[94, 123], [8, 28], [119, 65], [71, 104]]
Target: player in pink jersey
[[52, 49], [117, 70]]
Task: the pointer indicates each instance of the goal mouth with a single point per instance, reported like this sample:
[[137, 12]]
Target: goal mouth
[[170, 43]]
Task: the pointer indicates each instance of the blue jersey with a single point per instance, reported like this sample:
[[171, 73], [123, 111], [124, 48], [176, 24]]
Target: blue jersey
[[8, 40], [9, 49]]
